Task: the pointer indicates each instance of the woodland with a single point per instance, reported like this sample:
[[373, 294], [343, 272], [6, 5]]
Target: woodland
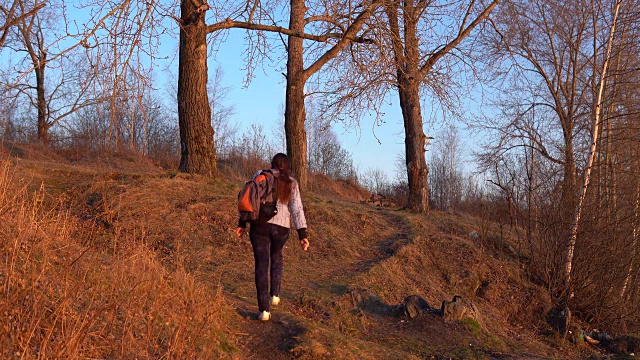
[[560, 156]]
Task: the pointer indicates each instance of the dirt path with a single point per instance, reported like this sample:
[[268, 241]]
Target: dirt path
[[265, 340], [323, 278]]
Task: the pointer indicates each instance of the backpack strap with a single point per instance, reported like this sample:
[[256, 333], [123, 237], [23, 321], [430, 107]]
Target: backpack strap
[[270, 176]]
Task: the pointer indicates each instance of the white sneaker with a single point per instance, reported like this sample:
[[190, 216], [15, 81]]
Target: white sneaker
[[275, 300], [264, 316]]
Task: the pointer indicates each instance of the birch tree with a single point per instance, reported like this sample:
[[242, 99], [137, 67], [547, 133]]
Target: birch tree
[[549, 44], [571, 69], [446, 176], [592, 153], [634, 245]]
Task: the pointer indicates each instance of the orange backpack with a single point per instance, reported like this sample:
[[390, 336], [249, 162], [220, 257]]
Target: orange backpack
[[258, 198]]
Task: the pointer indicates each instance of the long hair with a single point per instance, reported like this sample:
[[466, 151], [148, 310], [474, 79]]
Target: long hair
[[282, 163]]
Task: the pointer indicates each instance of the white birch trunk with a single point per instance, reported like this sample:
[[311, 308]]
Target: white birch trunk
[[634, 244], [592, 153]]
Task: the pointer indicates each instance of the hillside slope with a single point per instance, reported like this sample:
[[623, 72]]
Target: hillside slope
[[117, 258]]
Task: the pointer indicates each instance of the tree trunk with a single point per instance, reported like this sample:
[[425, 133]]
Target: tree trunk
[[198, 154], [294, 115], [297, 75], [409, 77], [569, 181], [634, 245], [592, 154], [41, 101], [531, 218], [417, 170]]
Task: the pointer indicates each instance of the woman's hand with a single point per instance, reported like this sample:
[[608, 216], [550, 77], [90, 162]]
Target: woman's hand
[[241, 232], [304, 243]]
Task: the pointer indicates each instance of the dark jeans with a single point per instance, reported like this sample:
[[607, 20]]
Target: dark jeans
[[267, 241]]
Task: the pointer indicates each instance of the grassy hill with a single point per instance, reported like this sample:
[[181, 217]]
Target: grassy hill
[[112, 257]]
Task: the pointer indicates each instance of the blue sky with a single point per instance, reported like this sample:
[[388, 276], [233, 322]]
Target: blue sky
[[263, 102]]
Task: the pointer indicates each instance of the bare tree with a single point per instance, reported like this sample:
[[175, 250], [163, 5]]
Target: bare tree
[[55, 85], [415, 66], [8, 107], [446, 173], [11, 14], [326, 155], [221, 113], [375, 180], [409, 55], [568, 115], [334, 25], [592, 151]]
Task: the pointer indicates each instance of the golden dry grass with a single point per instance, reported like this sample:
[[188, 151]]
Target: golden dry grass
[[121, 259], [441, 260], [64, 296]]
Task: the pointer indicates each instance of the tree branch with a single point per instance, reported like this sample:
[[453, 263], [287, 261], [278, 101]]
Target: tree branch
[[228, 24], [462, 34], [352, 30], [11, 22]]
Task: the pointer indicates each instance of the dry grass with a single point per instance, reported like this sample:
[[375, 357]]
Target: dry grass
[[341, 189], [66, 297], [121, 259], [441, 260]]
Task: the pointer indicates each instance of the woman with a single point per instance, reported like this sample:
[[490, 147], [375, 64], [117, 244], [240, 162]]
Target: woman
[[268, 239]]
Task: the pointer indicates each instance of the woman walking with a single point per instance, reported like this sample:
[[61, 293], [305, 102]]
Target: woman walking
[[268, 239]]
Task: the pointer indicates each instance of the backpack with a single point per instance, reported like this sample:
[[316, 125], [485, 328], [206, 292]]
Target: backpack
[[258, 198]]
